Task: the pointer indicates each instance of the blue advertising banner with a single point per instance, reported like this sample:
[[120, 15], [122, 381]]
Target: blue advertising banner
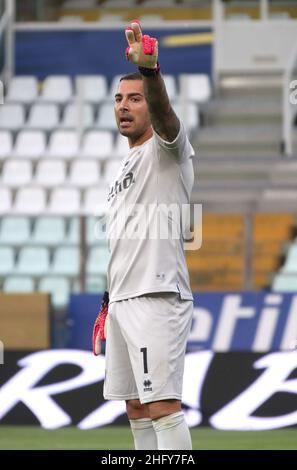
[[230, 321], [79, 52]]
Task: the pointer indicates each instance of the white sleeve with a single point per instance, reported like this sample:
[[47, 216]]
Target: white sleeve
[[180, 148]]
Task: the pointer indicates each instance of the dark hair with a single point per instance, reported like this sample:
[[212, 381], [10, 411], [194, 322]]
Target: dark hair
[[132, 76]]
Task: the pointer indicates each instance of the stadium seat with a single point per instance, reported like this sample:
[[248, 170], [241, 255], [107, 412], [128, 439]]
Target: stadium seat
[[170, 86], [58, 287], [30, 201], [57, 89], [106, 118], [6, 260], [198, 87], [121, 146], [97, 144], [22, 90], [95, 201], [5, 201], [188, 114], [50, 173], [66, 261], [111, 169], [168, 79], [64, 201], [16, 173], [97, 261], [284, 283], [96, 230], [5, 144], [48, 231], [63, 144], [43, 116], [84, 173], [73, 233], [93, 88], [30, 144], [114, 87], [14, 230], [18, 284], [73, 117], [33, 261], [96, 284], [12, 117]]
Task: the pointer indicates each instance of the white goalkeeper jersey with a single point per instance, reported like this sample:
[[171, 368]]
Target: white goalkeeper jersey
[[147, 202]]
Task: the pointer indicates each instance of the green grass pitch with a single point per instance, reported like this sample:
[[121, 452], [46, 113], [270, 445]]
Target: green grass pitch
[[117, 437]]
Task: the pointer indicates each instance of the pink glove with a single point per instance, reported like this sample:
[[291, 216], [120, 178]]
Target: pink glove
[[142, 50], [99, 330]]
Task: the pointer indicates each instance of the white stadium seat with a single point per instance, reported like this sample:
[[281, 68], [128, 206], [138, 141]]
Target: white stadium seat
[[48, 230], [5, 200], [50, 173], [84, 173], [106, 118], [63, 144], [95, 201], [16, 173], [66, 261], [33, 261], [198, 87], [93, 88], [73, 235], [30, 201], [111, 169], [22, 90], [97, 260], [14, 230], [65, 201], [18, 284], [74, 118], [6, 260], [97, 144], [43, 116], [114, 87], [12, 116], [30, 144], [57, 89], [59, 287], [121, 146], [188, 113], [5, 144], [170, 86]]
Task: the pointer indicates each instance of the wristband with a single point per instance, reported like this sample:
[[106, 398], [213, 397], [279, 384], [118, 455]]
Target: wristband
[[149, 72]]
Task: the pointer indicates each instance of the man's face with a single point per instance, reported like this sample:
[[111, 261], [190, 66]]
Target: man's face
[[131, 109]]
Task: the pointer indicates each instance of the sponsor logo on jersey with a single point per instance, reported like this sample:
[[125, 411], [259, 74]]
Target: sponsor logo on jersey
[[119, 186]]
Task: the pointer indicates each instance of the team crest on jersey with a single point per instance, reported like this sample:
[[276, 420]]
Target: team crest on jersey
[[119, 186]]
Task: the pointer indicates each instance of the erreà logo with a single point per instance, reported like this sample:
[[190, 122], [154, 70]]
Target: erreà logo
[[147, 386], [118, 186]]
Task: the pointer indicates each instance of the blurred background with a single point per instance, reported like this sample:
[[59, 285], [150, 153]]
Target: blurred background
[[230, 69]]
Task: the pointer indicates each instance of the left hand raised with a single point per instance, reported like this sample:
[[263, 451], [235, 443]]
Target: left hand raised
[[142, 50]]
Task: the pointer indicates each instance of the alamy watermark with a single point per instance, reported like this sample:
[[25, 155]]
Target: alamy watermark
[[1, 93], [293, 94], [151, 222], [1, 353]]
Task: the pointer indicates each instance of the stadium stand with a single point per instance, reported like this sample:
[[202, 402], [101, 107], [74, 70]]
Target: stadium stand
[[51, 175]]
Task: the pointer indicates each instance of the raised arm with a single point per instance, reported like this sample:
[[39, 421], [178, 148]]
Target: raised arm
[[143, 52]]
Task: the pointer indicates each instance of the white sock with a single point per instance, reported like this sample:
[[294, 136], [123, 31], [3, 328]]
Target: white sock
[[144, 434], [173, 432]]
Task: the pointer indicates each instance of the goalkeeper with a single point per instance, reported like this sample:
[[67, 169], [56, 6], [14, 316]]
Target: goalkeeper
[[150, 300]]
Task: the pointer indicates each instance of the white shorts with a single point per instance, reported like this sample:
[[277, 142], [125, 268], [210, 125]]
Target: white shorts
[[145, 347]]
